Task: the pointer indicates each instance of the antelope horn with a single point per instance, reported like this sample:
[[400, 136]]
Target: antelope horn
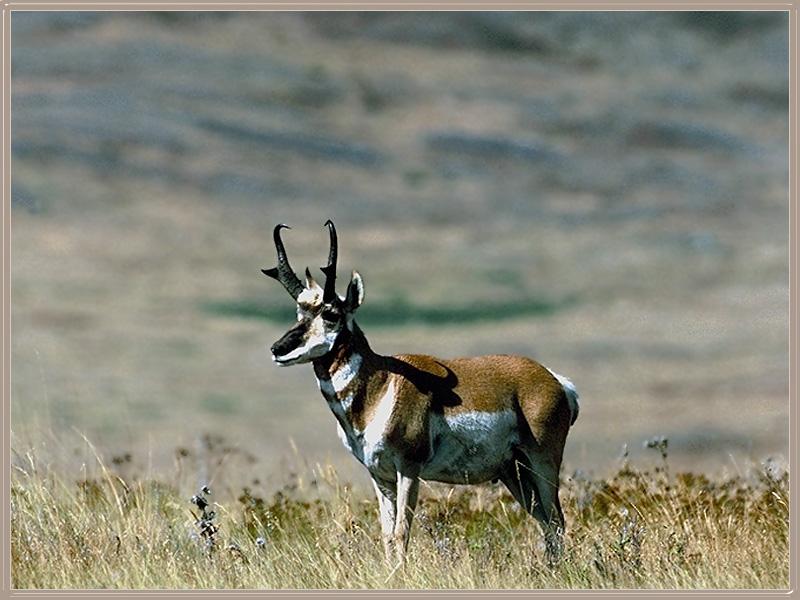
[[283, 272], [330, 269]]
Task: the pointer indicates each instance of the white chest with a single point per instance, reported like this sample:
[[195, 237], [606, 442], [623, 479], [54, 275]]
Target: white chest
[[368, 445]]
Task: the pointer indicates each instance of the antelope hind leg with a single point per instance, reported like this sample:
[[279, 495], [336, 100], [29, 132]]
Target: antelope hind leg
[[533, 481], [548, 511]]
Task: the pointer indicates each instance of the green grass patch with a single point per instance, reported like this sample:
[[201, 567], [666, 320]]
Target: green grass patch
[[399, 312], [219, 404]]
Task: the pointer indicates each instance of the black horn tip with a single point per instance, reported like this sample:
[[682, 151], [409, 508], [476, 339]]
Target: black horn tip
[[276, 233], [328, 223], [273, 272]]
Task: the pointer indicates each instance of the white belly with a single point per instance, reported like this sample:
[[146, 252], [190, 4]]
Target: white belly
[[470, 447]]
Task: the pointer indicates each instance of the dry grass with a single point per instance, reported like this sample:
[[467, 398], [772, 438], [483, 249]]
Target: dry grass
[[640, 528]]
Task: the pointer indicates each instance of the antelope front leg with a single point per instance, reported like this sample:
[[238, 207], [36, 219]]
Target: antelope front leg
[[387, 500], [407, 492]]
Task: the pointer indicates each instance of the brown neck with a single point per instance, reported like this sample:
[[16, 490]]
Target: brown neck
[[347, 344], [349, 396]]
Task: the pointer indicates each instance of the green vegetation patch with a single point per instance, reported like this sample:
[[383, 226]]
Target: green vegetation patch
[[399, 312], [220, 404]]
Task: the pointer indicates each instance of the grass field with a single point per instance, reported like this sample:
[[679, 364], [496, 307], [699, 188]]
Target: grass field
[[604, 192], [639, 528]]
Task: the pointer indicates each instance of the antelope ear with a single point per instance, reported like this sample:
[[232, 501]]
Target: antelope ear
[[355, 292], [311, 284]]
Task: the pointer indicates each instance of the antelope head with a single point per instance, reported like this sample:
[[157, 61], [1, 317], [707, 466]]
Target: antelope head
[[322, 315]]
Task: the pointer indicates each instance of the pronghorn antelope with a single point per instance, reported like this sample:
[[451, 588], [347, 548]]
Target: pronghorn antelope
[[412, 416]]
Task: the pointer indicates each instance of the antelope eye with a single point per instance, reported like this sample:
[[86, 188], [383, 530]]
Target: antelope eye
[[330, 316]]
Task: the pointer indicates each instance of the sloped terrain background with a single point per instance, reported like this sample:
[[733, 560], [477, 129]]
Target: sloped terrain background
[[605, 192]]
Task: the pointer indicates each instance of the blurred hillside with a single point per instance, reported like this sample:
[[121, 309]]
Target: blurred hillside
[[605, 192]]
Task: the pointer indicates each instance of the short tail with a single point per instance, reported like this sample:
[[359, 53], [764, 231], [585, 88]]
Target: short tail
[[572, 396]]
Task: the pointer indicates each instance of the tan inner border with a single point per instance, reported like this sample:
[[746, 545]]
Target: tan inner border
[[9, 6]]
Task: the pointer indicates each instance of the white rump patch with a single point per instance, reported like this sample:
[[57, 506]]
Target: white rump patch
[[572, 395]]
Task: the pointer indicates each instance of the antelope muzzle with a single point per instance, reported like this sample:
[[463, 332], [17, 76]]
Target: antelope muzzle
[[290, 341]]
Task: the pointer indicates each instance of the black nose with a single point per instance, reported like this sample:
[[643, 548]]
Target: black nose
[[290, 340]]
